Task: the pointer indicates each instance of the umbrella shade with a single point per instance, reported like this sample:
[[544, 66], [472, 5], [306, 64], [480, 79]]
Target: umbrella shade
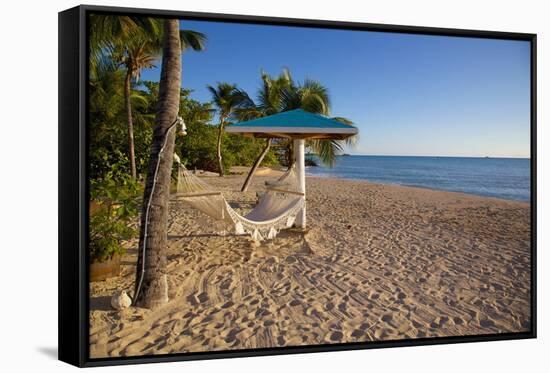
[[295, 124]]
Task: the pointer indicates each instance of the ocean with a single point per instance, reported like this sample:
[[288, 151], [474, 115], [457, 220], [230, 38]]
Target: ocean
[[507, 178]]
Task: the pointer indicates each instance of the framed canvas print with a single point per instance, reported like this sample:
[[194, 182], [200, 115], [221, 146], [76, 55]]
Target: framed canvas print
[[236, 185]]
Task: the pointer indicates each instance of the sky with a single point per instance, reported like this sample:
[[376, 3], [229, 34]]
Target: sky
[[408, 94]]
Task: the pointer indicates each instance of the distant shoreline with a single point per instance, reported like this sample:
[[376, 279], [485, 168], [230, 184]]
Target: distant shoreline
[[394, 185], [425, 156], [505, 178], [433, 156], [241, 171]]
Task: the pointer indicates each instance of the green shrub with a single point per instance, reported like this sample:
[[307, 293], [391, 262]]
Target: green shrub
[[114, 204], [198, 148]]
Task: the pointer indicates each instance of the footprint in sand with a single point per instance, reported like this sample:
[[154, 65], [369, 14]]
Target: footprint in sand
[[382, 333], [334, 336], [343, 306], [487, 323], [226, 284], [420, 334], [232, 336], [294, 303], [227, 304], [439, 322], [196, 299], [262, 312], [357, 333], [312, 311]]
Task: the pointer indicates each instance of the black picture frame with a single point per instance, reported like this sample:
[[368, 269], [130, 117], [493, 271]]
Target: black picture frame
[[73, 187]]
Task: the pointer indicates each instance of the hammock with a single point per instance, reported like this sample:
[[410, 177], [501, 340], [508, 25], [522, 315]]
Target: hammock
[[277, 208]]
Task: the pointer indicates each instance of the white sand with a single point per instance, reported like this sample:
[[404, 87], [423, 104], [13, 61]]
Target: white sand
[[378, 263]]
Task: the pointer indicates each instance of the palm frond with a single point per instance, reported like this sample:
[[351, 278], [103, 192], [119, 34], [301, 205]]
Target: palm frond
[[314, 88], [343, 120], [351, 141], [192, 39], [313, 103], [241, 98], [139, 99], [327, 150], [248, 113], [227, 98]]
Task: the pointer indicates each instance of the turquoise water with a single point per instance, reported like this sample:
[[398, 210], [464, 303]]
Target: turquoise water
[[507, 178]]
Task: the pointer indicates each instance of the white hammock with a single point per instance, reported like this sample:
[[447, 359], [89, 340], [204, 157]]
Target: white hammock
[[277, 208]]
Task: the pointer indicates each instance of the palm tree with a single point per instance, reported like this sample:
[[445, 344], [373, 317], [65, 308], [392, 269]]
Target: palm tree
[[151, 283], [134, 43], [136, 54], [269, 102], [106, 31], [108, 135], [139, 53], [327, 150], [283, 94], [312, 96], [227, 98], [256, 164]]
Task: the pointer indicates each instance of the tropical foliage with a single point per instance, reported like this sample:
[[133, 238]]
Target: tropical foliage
[[227, 98], [122, 111], [113, 208], [281, 94]]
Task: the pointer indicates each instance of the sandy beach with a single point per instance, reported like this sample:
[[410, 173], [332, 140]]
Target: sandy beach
[[378, 262]]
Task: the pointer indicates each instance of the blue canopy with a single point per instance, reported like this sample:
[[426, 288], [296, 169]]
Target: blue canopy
[[294, 124]]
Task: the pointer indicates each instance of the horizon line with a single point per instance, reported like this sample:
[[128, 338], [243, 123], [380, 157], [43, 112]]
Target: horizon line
[[434, 156]]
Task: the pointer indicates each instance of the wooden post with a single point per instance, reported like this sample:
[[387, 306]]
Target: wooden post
[[299, 157]]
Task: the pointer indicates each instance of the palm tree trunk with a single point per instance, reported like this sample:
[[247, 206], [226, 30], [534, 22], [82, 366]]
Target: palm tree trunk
[[219, 147], [256, 165], [128, 103], [151, 282], [290, 154]]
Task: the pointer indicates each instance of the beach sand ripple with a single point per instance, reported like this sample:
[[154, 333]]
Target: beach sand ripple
[[377, 263]]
